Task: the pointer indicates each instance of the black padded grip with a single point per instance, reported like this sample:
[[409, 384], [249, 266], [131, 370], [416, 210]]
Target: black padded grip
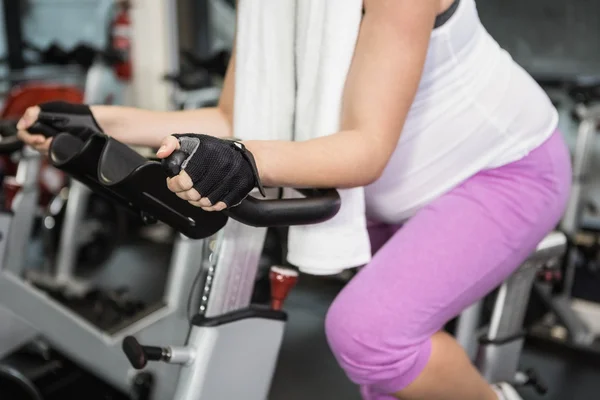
[[319, 204], [10, 145], [172, 164], [9, 142]]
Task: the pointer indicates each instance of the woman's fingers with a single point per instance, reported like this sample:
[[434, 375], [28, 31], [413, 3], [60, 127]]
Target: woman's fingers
[[220, 206], [28, 138], [180, 183], [168, 146], [29, 117], [44, 146], [38, 142], [191, 195], [206, 205], [202, 203]]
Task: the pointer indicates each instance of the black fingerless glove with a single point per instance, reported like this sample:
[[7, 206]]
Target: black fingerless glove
[[221, 170], [59, 116]]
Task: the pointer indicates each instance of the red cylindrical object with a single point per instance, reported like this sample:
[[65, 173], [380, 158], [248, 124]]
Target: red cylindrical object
[[10, 188], [121, 41], [282, 282]]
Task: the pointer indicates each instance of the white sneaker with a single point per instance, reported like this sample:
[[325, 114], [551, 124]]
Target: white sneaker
[[505, 391]]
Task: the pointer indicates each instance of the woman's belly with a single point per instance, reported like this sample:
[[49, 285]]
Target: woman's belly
[[475, 109], [434, 154]]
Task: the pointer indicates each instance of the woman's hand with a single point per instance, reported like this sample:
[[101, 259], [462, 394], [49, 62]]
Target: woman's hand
[[57, 116], [216, 174], [37, 141]]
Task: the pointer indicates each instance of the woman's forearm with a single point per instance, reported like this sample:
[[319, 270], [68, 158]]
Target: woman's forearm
[[343, 160], [148, 128]]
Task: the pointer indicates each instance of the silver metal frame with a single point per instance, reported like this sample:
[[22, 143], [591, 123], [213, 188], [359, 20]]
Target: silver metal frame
[[62, 275], [238, 361], [499, 349], [99, 84], [229, 263], [560, 303], [27, 199]]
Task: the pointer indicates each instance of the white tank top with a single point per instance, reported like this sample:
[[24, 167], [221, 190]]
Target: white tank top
[[475, 109]]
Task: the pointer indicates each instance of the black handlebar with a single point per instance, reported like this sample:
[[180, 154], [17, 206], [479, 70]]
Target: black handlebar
[[319, 204], [9, 142], [113, 169], [172, 164]]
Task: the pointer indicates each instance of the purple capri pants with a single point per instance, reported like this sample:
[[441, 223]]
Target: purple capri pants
[[449, 255]]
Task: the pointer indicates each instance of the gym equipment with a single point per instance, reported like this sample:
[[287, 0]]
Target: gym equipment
[[103, 224], [102, 228], [582, 250], [13, 331], [496, 350], [80, 230], [562, 323], [23, 169], [560, 58], [205, 315], [560, 301], [197, 84]]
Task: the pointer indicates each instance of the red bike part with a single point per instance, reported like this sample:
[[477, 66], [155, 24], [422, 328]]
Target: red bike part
[[28, 95]]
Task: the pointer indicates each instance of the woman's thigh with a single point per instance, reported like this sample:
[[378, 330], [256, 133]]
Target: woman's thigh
[[457, 249]]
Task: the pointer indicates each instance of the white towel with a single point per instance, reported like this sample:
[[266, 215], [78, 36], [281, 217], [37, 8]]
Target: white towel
[[292, 60]]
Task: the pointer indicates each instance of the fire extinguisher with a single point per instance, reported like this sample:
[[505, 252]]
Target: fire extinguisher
[[121, 33]]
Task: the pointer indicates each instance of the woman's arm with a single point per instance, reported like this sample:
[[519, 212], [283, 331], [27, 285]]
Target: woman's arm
[[148, 128], [380, 89]]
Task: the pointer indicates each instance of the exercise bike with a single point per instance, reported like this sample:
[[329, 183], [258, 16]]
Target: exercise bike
[[222, 347], [495, 348], [80, 229], [569, 321]]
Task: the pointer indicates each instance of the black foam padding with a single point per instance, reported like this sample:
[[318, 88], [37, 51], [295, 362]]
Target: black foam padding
[[9, 143], [319, 205], [121, 174]]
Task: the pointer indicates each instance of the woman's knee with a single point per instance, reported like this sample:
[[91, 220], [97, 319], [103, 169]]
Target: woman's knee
[[369, 349]]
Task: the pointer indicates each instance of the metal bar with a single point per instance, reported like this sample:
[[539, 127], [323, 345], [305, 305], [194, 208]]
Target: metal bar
[[467, 329], [68, 246], [13, 29]]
